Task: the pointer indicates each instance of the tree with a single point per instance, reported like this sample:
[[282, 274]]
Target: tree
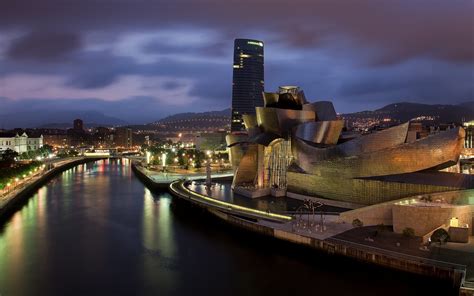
[[409, 232], [73, 153], [357, 223], [9, 155], [440, 236]]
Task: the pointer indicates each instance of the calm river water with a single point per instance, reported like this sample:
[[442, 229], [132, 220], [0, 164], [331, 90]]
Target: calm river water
[[96, 230]]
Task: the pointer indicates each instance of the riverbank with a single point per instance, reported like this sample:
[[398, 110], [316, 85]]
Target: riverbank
[[22, 191], [328, 241]]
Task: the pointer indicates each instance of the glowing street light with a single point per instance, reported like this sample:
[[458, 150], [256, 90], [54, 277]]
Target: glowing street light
[[148, 157], [163, 159]]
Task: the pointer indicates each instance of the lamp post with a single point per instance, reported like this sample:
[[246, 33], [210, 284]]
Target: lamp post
[[148, 157], [163, 160]]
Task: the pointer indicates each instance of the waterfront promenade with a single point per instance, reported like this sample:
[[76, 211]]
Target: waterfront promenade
[[330, 235], [20, 189]]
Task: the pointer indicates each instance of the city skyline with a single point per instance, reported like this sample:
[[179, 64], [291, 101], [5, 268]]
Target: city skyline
[[116, 64]]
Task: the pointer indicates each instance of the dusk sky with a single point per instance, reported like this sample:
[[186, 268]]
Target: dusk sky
[[140, 60]]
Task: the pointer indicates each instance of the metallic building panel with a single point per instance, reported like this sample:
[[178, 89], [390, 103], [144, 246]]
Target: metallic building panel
[[236, 153], [264, 139], [267, 120], [270, 98], [359, 191], [320, 132], [250, 120], [305, 153], [246, 172], [288, 119], [436, 151], [281, 121], [324, 110], [232, 139]]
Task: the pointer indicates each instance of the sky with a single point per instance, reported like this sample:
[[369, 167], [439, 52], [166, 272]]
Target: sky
[[140, 60]]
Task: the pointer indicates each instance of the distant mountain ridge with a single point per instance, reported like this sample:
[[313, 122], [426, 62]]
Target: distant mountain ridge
[[194, 115], [405, 111], [189, 121], [56, 119]]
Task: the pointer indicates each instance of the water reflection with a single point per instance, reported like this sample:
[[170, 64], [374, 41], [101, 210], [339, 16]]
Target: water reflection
[[96, 229]]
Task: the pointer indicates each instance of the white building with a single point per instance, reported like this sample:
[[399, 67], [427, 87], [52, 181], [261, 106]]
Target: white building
[[19, 143]]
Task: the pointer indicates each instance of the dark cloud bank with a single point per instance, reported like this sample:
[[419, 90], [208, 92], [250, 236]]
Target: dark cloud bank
[[361, 54]]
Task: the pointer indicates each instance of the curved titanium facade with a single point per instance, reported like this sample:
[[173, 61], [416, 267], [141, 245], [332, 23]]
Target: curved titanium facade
[[324, 110], [246, 172], [320, 132], [270, 99], [438, 151], [296, 150], [281, 121], [305, 153]]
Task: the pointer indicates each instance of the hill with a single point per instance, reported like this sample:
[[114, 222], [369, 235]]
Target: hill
[[212, 120], [405, 111], [62, 119]]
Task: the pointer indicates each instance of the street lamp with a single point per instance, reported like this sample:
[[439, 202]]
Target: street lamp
[[163, 159], [148, 157]]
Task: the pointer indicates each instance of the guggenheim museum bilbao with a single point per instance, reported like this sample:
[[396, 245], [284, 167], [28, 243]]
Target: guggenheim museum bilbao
[[295, 148]]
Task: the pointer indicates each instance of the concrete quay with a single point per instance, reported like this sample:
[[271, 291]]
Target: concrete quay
[[161, 181], [326, 241], [9, 200]]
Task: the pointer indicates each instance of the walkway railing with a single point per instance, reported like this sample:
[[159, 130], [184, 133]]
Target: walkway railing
[[399, 255], [179, 188]]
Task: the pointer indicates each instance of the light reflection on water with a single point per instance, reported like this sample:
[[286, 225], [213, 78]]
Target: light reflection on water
[[96, 229]]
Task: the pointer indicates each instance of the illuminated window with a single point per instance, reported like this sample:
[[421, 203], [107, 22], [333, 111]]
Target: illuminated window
[[255, 43], [454, 222]]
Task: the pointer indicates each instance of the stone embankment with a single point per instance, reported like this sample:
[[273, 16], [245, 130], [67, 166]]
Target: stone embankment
[[455, 273]]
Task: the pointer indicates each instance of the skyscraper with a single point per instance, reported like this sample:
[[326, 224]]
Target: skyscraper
[[248, 80], [78, 125]]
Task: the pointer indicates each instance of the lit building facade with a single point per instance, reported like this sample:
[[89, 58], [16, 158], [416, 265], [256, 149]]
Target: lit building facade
[[123, 137], [294, 147], [247, 81], [20, 143], [78, 125], [469, 140]]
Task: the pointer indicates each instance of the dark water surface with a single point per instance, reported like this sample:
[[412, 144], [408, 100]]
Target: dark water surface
[[96, 230]]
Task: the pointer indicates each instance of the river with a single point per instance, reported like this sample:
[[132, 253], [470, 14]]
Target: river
[[97, 230]]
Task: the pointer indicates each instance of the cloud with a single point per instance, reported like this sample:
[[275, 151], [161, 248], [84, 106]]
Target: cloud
[[55, 87], [178, 54], [43, 46], [399, 29]]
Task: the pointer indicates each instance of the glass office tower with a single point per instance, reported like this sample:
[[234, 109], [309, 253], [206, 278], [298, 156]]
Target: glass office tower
[[247, 81]]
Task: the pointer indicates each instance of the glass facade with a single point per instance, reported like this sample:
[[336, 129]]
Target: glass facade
[[469, 139], [247, 81]]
